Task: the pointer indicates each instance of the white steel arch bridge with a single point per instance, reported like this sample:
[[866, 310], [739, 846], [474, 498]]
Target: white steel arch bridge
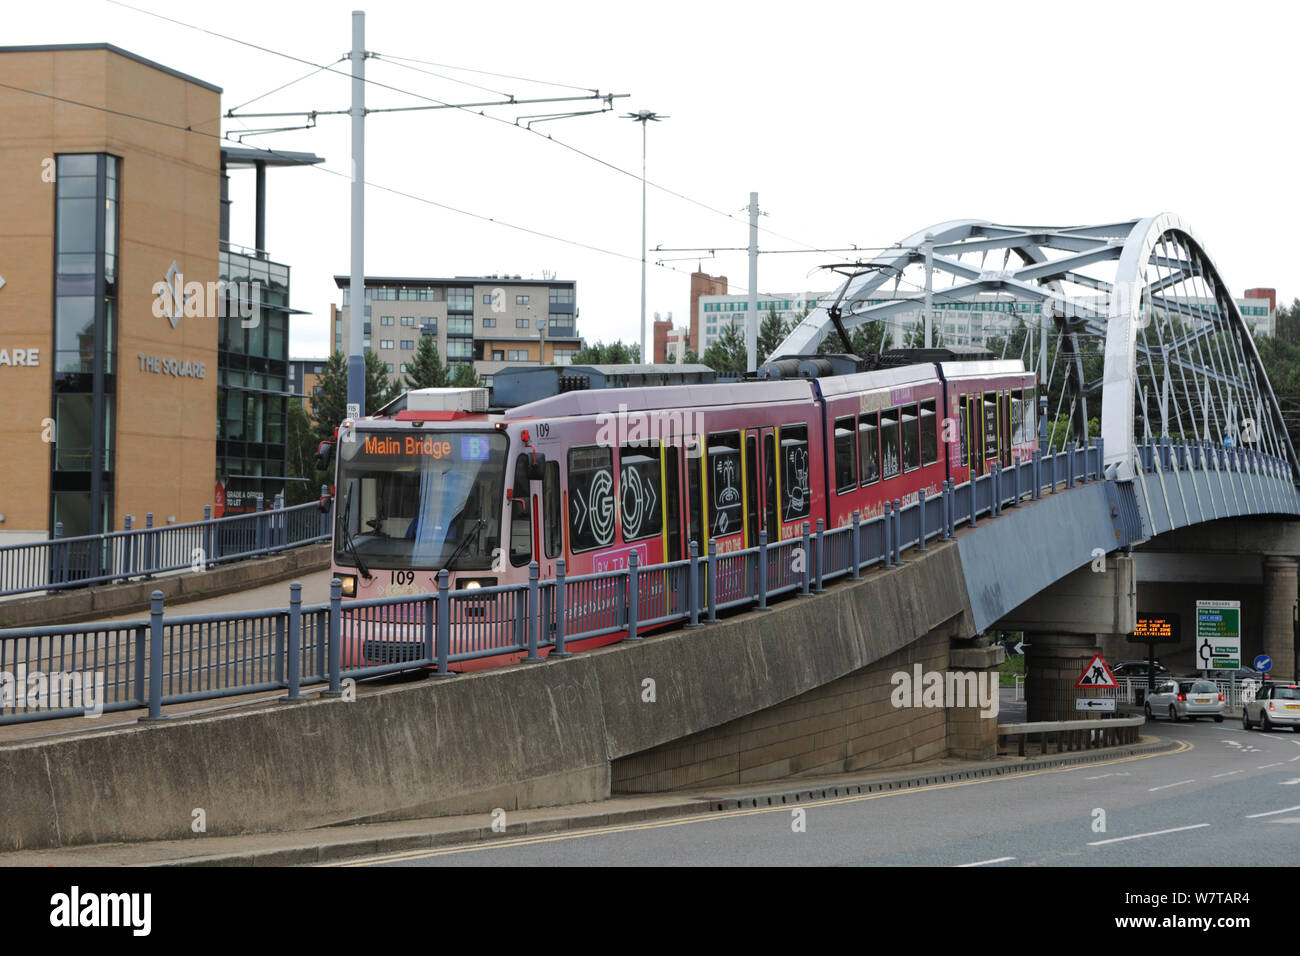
[[1136, 338]]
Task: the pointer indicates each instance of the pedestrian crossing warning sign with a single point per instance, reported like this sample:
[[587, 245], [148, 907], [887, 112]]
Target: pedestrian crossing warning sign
[[1096, 674]]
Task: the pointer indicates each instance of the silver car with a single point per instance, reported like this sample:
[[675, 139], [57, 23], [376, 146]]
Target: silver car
[[1275, 705], [1187, 698]]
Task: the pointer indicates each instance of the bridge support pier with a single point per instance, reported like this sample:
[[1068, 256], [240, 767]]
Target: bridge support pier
[[1053, 662], [1278, 611], [1066, 624], [972, 730]]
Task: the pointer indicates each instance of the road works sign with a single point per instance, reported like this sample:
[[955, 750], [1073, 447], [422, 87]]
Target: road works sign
[[1096, 674], [1218, 635]]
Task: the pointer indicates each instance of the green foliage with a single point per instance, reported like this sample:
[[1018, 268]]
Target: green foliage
[[726, 355], [466, 376], [771, 333], [866, 340], [690, 357], [616, 353], [330, 406], [301, 453], [426, 370], [914, 338]]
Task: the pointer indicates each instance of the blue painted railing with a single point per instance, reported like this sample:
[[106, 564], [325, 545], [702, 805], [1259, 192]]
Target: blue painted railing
[[64, 563], [200, 657]]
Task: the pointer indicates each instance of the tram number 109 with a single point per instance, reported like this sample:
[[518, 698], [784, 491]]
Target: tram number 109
[[403, 577]]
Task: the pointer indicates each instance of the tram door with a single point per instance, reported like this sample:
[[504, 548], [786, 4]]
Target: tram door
[[975, 433], [767, 481], [752, 526], [1004, 426], [991, 435], [673, 547], [692, 514]]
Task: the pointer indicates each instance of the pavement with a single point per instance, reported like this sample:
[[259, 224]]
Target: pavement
[[328, 844]]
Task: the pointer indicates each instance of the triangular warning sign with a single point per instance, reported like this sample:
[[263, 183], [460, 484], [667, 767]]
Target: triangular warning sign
[[1096, 674]]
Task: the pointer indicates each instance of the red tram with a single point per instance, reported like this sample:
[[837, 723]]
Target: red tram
[[592, 476]]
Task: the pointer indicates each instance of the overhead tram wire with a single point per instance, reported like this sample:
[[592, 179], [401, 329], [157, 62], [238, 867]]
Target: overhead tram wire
[[391, 58], [390, 189]]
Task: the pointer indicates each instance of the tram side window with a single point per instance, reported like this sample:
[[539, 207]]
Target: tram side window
[[521, 525], [911, 438], [846, 461], [869, 447], [1017, 417], [591, 497], [725, 513], [639, 493], [929, 433], [1031, 415], [990, 426], [796, 490], [551, 502], [889, 447], [964, 429]]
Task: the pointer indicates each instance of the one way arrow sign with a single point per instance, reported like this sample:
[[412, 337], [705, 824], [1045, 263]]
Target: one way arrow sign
[[1099, 704]]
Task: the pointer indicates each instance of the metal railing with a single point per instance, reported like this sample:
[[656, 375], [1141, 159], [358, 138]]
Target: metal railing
[[230, 654], [64, 563]]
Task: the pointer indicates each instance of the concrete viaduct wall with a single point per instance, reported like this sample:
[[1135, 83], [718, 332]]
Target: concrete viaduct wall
[[534, 735]]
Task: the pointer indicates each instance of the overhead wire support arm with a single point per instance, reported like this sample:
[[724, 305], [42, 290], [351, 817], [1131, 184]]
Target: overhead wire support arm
[[511, 101]]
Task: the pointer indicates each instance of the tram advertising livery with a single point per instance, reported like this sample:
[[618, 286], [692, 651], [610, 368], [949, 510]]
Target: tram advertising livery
[[436, 481]]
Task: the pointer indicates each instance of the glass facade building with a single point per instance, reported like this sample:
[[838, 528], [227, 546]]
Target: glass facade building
[[253, 385], [85, 342]]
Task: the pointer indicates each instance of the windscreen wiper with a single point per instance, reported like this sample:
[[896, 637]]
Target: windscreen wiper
[[347, 536], [478, 526]]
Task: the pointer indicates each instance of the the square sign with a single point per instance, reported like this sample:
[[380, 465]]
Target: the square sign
[[1218, 635]]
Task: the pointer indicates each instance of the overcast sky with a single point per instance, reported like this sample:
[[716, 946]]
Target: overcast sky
[[857, 123]]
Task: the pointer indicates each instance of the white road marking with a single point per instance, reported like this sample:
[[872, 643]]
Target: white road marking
[[1270, 813], [1139, 836], [1001, 859], [1289, 783], [1228, 774], [1168, 785], [1267, 765], [1125, 774]]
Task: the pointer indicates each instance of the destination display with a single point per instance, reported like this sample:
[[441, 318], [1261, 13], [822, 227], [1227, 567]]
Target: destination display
[[457, 447]]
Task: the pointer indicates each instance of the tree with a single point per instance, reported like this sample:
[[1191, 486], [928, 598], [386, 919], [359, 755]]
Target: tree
[[690, 357], [301, 454], [771, 334], [330, 406], [426, 370], [915, 337], [866, 340], [466, 376], [616, 353], [726, 355]]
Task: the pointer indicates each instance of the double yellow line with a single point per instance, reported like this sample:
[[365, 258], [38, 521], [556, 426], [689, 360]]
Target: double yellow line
[[540, 838]]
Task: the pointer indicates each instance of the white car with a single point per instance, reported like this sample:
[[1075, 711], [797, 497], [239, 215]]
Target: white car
[[1275, 705], [1185, 698]]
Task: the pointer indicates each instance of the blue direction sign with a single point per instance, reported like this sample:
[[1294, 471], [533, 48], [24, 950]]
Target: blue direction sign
[[1263, 663]]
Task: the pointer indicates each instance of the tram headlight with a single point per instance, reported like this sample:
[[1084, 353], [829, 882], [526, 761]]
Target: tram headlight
[[349, 582], [468, 584]]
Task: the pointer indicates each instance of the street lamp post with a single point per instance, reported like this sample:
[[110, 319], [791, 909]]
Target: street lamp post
[[643, 117]]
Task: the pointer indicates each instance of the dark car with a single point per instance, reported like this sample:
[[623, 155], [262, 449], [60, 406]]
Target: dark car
[[1136, 670]]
